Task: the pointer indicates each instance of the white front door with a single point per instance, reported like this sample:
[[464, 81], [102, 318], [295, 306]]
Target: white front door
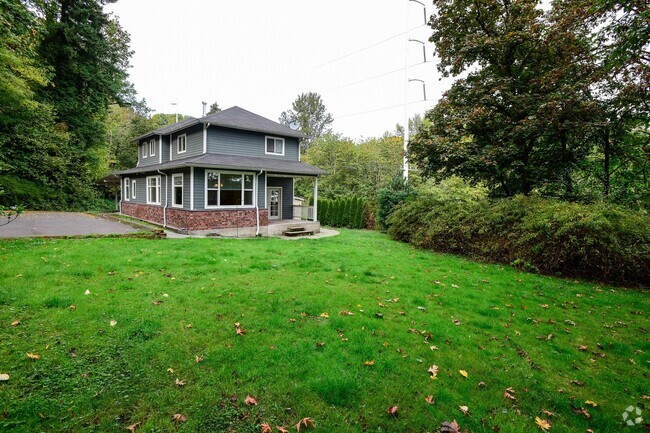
[[274, 204]]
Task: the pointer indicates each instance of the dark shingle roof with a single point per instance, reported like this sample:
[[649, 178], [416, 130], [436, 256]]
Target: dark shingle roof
[[233, 162], [234, 117], [238, 118]]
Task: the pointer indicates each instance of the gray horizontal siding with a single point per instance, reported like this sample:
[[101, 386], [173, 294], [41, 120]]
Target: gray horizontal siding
[[199, 189], [261, 191], [149, 160], [247, 143], [194, 142]]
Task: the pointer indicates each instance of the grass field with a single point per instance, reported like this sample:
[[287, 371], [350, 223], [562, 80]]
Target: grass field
[[131, 331]]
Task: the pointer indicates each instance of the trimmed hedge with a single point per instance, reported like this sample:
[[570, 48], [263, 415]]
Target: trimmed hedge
[[598, 242], [343, 212]]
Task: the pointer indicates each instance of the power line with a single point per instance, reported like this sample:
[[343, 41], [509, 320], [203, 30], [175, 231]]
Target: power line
[[372, 78], [366, 48], [378, 109]]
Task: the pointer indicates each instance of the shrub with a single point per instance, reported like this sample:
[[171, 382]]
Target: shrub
[[343, 212], [599, 241]]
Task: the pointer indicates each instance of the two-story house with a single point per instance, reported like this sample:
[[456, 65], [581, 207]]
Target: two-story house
[[228, 173]]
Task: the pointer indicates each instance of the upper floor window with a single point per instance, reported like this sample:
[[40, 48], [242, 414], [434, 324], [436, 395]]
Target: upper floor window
[[152, 147], [144, 150], [181, 143], [274, 146]]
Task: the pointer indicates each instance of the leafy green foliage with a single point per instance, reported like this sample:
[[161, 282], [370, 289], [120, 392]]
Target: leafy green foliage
[[601, 241], [389, 198], [309, 112], [347, 212]]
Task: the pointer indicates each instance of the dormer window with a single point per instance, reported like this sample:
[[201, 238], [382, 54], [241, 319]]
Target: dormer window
[[181, 143], [144, 150], [274, 146], [152, 147]]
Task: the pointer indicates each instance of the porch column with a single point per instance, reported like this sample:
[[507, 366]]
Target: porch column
[[315, 199]]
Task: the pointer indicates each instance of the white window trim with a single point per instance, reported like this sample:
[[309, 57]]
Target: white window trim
[[205, 189], [152, 147], [144, 149], [133, 188], [178, 151], [149, 191], [127, 189], [174, 176], [266, 152]]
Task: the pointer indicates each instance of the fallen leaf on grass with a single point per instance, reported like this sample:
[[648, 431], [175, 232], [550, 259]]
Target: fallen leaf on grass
[[581, 411], [179, 417], [189, 325], [429, 399], [542, 423], [433, 371], [250, 401], [266, 428], [112, 323], [307, 422], [456, 322], [199, 359], [179, 382], [346, 313], [392, 410], [464, 410], [433, 347], [87, 292], [320, 344], [325, 315], [450, 427], [132, 427], [282, 429], [15, 323], [591, 403], [4, 377], [463, 373], [548, 413], [582, 348], [170, 370], [577, 382], [509, 393], [33, 356], [157, 302], [369, 363]]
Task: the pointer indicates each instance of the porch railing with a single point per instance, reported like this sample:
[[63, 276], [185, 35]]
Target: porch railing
[[305, 213]]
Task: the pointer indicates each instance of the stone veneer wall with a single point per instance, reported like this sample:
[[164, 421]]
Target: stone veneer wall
[[196, 220]]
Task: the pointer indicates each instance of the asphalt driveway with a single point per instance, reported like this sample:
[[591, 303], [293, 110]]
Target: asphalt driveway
[[43, 224]]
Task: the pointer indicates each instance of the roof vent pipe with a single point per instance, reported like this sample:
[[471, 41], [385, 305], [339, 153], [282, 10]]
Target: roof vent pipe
[[205, 104]]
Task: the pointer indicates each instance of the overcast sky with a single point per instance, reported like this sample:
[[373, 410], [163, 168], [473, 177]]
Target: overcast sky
[[260, 55]]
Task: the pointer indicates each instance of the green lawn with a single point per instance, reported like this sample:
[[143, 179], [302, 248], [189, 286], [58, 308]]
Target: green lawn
[[301, 354]]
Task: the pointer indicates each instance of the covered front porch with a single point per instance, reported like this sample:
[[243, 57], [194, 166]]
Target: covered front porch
[[282, 203]]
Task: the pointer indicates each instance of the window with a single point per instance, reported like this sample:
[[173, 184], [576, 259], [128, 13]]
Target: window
[[144, 150], [274, 146], [153, 190], [181, 143], [177, 190], [229, 189], [127, 189], [133, 188], [152, 147]]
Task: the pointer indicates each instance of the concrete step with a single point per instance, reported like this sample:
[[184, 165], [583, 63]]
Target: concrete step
[[295, 233], [295, 228]]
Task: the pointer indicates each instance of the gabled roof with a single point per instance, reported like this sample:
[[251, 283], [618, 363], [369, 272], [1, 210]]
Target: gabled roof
[[233, 117], [233, 162]]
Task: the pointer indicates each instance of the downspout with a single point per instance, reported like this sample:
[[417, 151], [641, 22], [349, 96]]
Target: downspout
[[257, 201], [160, 150], [166, 194], [171, 150]]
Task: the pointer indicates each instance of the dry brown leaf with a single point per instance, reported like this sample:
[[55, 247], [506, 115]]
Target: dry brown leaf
[[509, 393], [170, 370], [464, 410], [157, 302], [179, 417], [392, 410], [33, 356], [463, 373], [189, 325], [250, 401], [266, 428], [429, 399], [282, 429], [346, 313], [320, 344], [306, 422], [582, 348], [4, 377], [591, 403], [456, 322], [199, 359], [325, 315], [15, 323], [581, 411], [132, 427], [548, 413], [450, 427], [433, 371], [179, 382], [542, 423]]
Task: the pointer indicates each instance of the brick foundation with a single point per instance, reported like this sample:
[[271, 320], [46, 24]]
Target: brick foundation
[[182, 219]]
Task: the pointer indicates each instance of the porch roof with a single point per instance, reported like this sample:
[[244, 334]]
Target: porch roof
[[233, 162]]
